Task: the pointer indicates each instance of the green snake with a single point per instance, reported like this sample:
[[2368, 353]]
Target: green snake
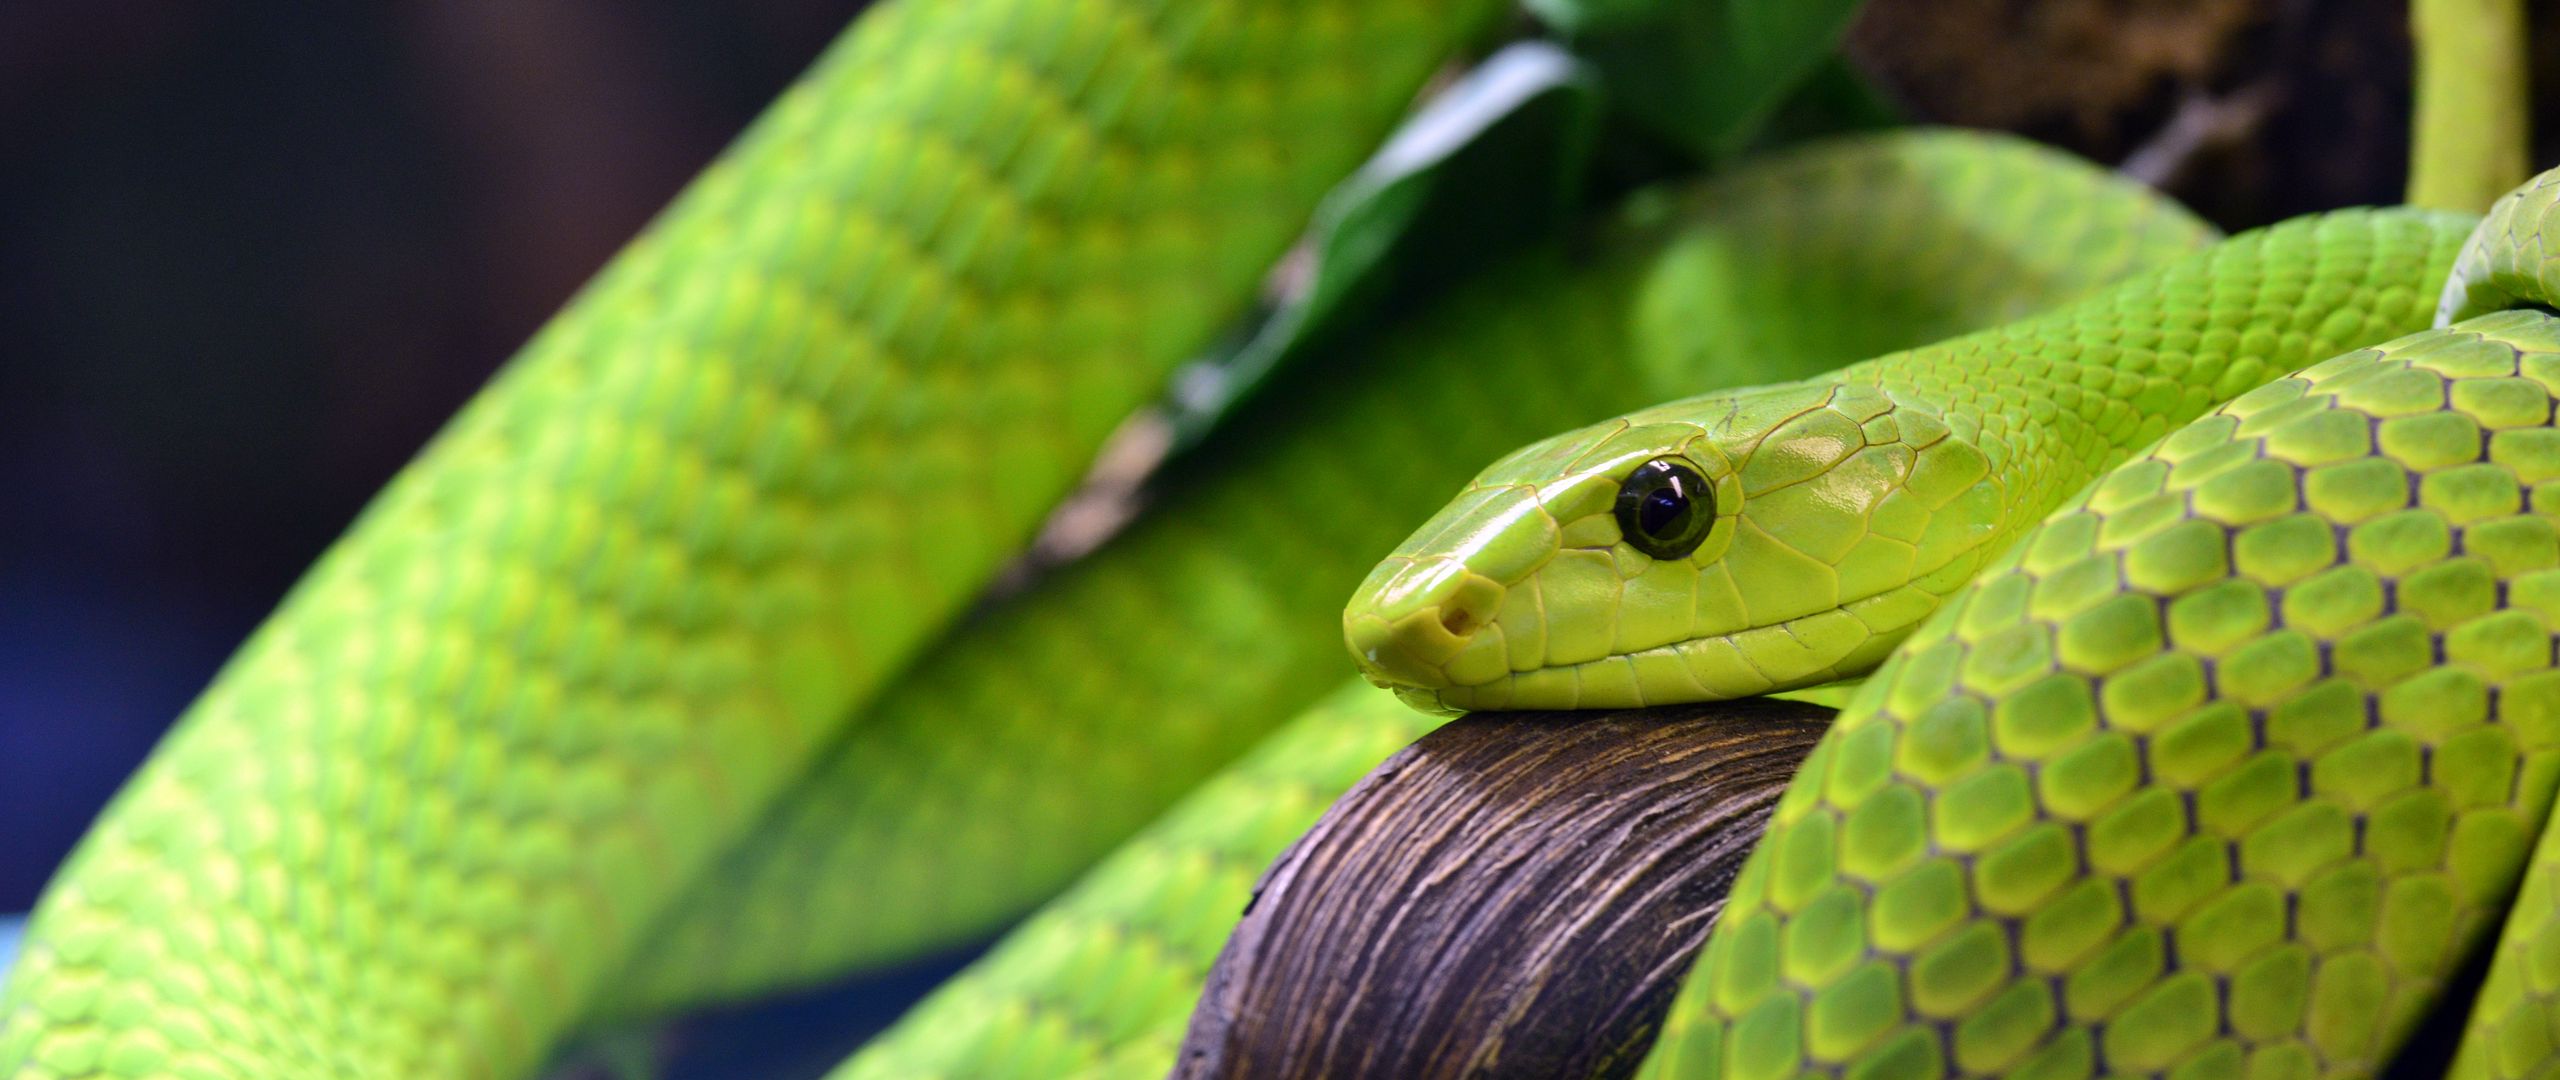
[[2217, 710], [635, 690]]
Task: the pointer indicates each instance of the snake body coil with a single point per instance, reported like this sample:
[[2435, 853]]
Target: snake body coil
[[2191, 753]]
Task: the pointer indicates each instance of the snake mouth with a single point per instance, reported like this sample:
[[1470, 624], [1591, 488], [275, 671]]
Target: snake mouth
[[1449, 635], [1787, 654], [1619, 682], [1425, 625]]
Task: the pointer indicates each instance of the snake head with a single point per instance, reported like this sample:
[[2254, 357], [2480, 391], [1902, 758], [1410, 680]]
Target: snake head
[[1712, 548]]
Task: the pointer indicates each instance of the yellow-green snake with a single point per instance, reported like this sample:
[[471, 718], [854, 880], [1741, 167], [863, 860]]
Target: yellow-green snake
[[2218, 709], [635, 690]]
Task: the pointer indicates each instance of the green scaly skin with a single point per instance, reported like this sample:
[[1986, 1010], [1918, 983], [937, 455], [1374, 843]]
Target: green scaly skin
[[1787, 262], [2221, 767], [2514, 1030], [427, 812], [627, 596], [1027, 743], [2224, 768]]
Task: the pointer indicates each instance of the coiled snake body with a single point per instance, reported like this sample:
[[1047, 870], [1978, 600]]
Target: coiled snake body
[[608, 664], [2231, 714]]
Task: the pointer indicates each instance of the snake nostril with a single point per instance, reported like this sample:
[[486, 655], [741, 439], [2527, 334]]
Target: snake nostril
[[1457, 621]]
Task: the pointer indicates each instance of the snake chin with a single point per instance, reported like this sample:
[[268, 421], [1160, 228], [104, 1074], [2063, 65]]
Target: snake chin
[[1794, 654], [1426, 701]]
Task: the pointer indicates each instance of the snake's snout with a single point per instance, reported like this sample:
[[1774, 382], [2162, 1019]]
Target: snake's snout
[[1421, 623]]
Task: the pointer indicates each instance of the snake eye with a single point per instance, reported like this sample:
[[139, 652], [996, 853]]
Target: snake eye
[[1665, 508]]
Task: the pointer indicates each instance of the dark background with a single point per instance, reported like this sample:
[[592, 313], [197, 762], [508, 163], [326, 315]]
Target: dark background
[[252, 253]]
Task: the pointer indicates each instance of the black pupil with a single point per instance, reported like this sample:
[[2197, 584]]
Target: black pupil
[[1662, 508], [1665, 508]]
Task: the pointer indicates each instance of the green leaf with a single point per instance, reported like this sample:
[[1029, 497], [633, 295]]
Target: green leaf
[[1494, 162], [1702, 74]]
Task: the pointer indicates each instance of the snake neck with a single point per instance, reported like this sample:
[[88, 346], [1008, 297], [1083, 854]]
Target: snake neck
[[2052, 402], [2503, 267]]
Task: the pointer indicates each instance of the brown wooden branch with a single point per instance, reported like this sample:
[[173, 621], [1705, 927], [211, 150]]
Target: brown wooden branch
[[1513, 895]]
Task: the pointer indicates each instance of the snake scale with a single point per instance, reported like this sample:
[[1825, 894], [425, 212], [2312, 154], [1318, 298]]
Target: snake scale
[[643, 649]]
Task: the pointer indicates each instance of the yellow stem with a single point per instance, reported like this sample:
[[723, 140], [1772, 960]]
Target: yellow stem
[[2467, 139]]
